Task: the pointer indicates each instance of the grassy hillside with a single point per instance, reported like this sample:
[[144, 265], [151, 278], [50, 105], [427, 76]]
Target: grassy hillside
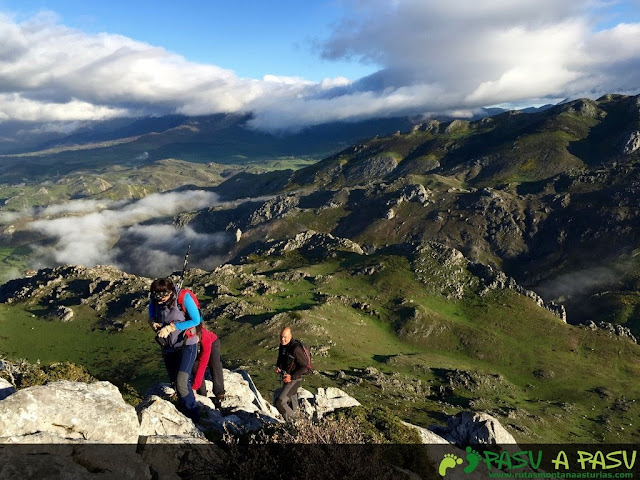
[[383, 327]]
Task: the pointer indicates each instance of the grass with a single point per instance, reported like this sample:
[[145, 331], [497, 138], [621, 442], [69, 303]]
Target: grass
[[130, 356], [385, 337]]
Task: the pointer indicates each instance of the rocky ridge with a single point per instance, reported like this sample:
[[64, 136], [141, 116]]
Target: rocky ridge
[[64, 423]]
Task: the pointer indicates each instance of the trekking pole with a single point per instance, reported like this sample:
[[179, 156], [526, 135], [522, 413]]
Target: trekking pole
[[184, 269]]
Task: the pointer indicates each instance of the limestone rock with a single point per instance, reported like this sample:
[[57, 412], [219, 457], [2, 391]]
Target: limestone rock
[[65, 314], [70, 410], [160, 417], [427, 436], [472, 428], [632, 144], [326, 400], [370, 168]]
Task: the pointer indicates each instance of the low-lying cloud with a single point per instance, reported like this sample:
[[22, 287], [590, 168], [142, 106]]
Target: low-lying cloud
[[137, 237], [432, 57]]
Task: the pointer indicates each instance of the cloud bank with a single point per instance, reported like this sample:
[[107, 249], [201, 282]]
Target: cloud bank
[[137, 237], [433, 57]]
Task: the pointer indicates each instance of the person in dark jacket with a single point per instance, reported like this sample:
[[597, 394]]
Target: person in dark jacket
[[291, 365], [175, 331]]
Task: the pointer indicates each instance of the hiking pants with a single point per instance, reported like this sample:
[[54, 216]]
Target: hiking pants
[[179, 365], [288, 395], [215, 367]]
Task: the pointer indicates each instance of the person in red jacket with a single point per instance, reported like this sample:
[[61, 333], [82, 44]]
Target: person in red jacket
[[209, 357]]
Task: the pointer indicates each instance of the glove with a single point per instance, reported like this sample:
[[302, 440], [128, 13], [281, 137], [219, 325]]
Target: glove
[[166, 330]]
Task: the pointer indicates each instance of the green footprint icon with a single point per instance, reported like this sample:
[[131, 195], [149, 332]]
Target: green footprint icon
[[449, 461], [473, 457]]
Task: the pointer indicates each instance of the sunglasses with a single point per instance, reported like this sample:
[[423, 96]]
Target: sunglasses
[[159, 296]]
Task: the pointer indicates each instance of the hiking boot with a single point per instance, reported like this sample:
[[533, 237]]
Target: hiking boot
[[217, 400]]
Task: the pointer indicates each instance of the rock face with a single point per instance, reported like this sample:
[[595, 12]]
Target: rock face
[[92, 412], [632, 144], [160, 417], [375, 167], [77, 430], [312, 244], [326, 400], [471, 428]]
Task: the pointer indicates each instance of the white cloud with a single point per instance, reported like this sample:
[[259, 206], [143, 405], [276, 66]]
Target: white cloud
[[433, 57], [91, 236]]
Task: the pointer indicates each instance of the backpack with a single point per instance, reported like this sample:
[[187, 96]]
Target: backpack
[[181, 294], [307, 354], [180, 301]]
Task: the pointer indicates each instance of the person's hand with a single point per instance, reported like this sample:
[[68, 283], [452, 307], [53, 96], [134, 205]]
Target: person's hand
[[286, 378], [278, 370], [166, 330], [156, 326]]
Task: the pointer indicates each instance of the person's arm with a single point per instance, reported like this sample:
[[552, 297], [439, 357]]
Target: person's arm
[[192, 312]]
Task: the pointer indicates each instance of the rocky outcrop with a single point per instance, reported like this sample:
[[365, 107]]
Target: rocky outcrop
[[107, 290], [274, 208], [472, 428], [370, 168], [614, 329], [495, 279], [79, 430], [64, 314], [326, 400], [309, 243], [632, 144], [92, 412], [161, 417]]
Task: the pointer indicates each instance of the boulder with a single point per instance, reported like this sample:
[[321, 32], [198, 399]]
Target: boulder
[[326, 400], [427, 436], [243, 409], [160, 417], [473, 428], [94, 412]]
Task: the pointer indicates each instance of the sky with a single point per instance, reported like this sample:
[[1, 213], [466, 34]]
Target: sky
[[295, 64]]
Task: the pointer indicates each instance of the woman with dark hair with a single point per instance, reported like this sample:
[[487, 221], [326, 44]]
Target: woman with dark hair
[[176, 333]]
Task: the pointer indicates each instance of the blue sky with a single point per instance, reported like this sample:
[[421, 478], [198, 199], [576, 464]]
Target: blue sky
[[299, 63]]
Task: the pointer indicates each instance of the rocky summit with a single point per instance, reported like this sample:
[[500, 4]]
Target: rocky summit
[[86, 430]]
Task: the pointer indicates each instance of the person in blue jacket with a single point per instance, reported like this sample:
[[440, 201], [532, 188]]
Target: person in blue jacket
[[176, 333]]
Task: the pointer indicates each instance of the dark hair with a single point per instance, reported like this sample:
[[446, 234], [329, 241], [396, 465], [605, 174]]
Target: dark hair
[[163, 285]]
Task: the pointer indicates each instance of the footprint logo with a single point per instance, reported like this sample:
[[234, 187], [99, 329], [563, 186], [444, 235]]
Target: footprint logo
[[473, 457], [449, 461]]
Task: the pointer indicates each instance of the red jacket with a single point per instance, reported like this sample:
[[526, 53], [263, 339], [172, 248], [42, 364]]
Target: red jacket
[[206, 339]]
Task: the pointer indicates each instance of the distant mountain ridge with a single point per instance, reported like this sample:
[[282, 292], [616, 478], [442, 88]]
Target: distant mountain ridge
[[550, 197]]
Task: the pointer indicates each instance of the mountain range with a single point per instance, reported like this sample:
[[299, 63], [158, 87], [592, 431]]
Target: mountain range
[[489, 264]]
